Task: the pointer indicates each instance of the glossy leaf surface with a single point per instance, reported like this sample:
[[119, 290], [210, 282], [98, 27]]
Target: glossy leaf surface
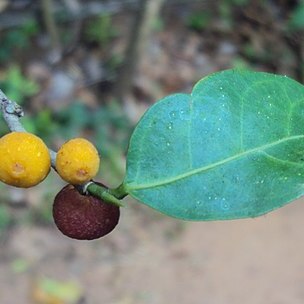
[[234, 148]]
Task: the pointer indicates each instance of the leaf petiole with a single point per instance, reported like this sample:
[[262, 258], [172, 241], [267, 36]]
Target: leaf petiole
[[104, 193], [120, 192]]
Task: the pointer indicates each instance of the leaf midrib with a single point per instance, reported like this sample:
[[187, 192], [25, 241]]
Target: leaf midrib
[[134, 186]]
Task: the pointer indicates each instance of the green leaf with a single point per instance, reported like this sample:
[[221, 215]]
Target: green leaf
[[57, 291], [234, 148]]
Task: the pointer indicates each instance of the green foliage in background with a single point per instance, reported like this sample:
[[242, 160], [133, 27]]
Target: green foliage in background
[[48, 290], [17, 39], [296, 21], [16, 86], [107, 124], [41, 123], [199, 20], [101, 30], [5, 217]]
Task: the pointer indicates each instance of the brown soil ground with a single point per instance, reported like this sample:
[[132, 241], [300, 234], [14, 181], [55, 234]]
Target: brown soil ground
[[152, 259]]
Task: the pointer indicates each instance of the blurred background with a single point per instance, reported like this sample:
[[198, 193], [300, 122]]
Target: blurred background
[[91, 68]]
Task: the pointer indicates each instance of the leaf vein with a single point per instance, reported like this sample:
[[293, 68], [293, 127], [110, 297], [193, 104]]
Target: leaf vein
[[282, 161], [133, 186]]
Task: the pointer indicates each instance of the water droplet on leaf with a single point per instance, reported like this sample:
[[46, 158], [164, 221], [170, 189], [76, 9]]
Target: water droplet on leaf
[[173, 114], [225, 205], [184, 115], [198, 203]]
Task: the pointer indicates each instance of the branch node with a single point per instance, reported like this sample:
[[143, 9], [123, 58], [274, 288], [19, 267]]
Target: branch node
[[84, 187], [12, 107]]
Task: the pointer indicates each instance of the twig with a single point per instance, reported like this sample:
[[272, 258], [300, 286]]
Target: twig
[[11, 113], [126, 73], [147, 12], [50, 24]]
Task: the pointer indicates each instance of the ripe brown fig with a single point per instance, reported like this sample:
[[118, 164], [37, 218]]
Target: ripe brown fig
[[83, 217]]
